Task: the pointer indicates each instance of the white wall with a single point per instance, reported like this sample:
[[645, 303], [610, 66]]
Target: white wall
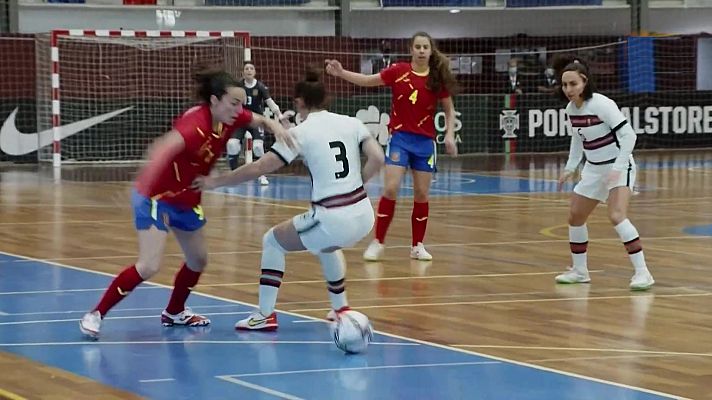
[[688, 20], [374, 22], [399, 23], [259, 22]]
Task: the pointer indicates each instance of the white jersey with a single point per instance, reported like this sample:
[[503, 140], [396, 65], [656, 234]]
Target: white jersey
[[330, 145], [601, 132]]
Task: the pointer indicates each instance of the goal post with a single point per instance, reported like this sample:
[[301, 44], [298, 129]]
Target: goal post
[[106, 94]]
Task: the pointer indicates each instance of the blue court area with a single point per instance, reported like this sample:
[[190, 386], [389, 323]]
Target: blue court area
[[40, 304], [288, 187]]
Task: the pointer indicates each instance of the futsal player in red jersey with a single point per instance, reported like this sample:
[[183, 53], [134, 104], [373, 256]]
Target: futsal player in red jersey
[[163, 199], [417, 87]]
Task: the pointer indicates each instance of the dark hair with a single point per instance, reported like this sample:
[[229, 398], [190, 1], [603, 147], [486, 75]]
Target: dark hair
[[440, 76], [311, 89], [246, 63], [212, 81], [566, 63]]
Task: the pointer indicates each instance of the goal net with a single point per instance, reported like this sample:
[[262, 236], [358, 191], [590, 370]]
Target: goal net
[[113, 92], [651, 79]]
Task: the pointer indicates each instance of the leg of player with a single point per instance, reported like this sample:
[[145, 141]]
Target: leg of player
[[392, 178], [618, 200], [151, 242], [258, 149], [419, 217], [233, 152], [333, 265], [279, 240], [196, 258], [579, 210]]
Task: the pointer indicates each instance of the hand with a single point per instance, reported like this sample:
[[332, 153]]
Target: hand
[[613, 177], [283, 135], [284, 120], [203, 183], [565, 176], [450, 145], [334, 67]]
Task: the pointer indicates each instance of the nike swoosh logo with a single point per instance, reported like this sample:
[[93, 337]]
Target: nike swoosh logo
[[15, 143], [421, 219], [379, 215], [255, 322], [123, 292]]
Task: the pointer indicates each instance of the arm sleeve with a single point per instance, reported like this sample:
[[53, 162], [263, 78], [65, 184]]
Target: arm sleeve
[[187, 126], [284, 152], [626, 142], [625, 136], [390, 74], [575, 152], [265, 91], [362, 132]]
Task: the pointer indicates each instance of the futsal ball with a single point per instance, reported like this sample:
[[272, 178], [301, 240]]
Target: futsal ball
[[352, 332]]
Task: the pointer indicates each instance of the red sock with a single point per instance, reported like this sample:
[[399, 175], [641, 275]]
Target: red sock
[[384, 216], [120, 287], [419, 221], [186, 278]]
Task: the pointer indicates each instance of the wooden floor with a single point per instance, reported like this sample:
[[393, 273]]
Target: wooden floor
[[490, 288]]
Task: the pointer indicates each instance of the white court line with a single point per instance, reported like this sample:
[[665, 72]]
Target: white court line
[[215, 342], [407, 339], [49, 321], [259, 388], [554, 299], [65, 291], [156, 380], [310, 371], [586, 349], [398, 278], [113, 310]]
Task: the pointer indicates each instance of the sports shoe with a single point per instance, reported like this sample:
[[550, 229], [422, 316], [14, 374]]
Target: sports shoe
[[418, 252], [642, 280], [186, 317], [333, 314], [573, 275], [258, 322], [90, 324], [263, 180], [374, 252]]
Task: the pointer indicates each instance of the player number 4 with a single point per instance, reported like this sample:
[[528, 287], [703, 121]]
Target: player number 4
[[413, 96]]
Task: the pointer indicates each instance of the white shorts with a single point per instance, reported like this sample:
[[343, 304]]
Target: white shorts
[[593, 183], [321, 228]]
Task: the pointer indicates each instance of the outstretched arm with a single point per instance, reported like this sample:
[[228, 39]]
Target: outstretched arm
[[280, 132], [374, 158], [334, 67], [270, 162]]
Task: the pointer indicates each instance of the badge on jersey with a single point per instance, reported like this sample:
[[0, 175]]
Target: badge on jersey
[[255, 92]]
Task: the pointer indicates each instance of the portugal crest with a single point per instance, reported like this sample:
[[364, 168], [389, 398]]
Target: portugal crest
[[509, 122]]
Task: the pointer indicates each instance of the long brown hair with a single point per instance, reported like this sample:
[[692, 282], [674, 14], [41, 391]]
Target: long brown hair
[[569, 62], [440, 76]]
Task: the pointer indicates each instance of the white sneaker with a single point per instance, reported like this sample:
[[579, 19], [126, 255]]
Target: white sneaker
[[418, 252], [186, 317], [374, 252], [642, 280], [573, 275], [263, 180], [258, 322], [90, 324]]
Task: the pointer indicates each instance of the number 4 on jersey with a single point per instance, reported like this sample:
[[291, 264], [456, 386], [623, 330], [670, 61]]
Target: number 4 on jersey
[[413, 96]]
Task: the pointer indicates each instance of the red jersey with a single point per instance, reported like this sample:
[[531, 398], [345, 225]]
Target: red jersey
[[413, 105], [204, 143]]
